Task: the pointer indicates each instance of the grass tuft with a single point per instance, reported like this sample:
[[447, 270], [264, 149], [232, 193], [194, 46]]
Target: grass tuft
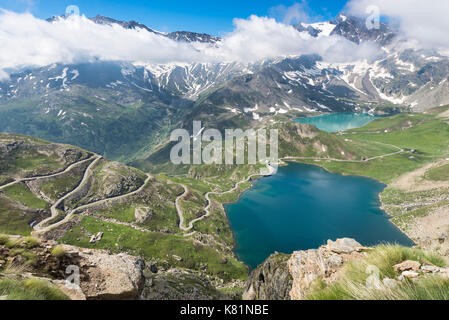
[[4, 239], [58, 252], [30, 289], [31, 242]]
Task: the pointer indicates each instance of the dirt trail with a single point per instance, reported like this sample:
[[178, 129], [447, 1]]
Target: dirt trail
[[400, 150], [414, 181]]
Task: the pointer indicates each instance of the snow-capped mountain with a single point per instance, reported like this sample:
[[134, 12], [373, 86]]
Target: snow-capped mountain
[[404, 77], [351, 28], [84, 104]]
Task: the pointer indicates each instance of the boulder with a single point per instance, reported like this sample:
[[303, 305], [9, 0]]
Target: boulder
[[109, 277], [430, 269], [345, 245], [410, 274], [96, 238], [335, 261], [389, 283], [408, 265]]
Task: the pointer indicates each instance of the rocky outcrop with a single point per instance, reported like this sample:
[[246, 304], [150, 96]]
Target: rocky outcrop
[[111, 179], [102, 275], [270, 281], [290, 277], [109, 277], [306, 267], [115, 179], [14, 147], [143, 214]]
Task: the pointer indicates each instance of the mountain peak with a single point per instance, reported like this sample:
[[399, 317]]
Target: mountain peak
[[350, 27], [355, 29], [99, 19], [182, 36]]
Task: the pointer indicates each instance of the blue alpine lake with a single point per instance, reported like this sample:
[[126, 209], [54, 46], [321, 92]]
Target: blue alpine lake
[[336, 122], [303, 206]]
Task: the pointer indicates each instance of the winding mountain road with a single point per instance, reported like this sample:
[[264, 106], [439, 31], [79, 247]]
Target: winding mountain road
[[87, 206], [400, 150], [90, 205], [270, 172], [46, 176], [178, 208], [54, 211]]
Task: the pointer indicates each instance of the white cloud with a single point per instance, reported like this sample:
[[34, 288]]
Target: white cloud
[[423, 22], [28, 41], [261, 38], [293, 14], [3, 75]]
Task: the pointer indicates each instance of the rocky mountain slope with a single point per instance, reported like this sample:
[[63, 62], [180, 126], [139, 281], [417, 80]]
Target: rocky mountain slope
[[62, 194]]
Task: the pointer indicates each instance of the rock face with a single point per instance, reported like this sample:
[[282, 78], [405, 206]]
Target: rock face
[[324, 263], [284, 277], [271, 280]]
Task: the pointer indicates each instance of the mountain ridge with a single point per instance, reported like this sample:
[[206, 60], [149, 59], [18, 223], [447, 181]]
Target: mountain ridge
[[186, 36], [144, 101]]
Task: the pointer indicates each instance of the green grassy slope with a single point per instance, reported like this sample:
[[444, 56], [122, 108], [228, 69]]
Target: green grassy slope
[[424, 138]]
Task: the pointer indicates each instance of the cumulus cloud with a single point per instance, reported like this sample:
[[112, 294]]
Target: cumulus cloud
[[423, 22], [28, 41], [259, 38]]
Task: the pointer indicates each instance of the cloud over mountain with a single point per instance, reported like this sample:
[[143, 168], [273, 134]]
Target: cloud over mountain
[[28, 41], [424, 23]]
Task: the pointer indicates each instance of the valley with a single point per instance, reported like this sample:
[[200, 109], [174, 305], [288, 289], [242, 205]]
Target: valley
[[179, 222], [86, 178]]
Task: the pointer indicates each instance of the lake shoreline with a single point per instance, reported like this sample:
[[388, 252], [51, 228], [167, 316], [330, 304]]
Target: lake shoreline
[[378, 206]]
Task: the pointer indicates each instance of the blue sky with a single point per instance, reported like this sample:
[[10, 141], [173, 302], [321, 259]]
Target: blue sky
[[214, 17]]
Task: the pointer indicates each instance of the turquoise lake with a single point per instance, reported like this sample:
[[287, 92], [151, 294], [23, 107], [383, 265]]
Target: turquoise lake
[[335, 122], [303, 206]]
